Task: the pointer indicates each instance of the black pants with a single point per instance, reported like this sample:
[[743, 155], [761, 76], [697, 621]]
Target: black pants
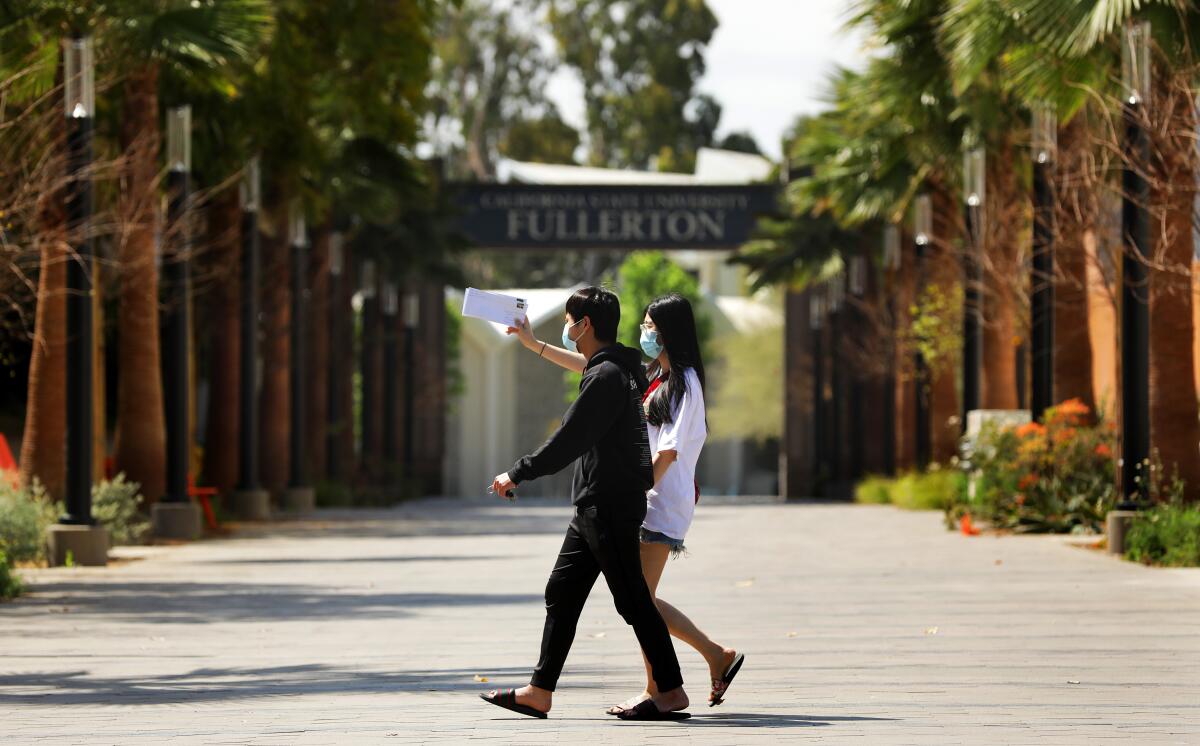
[[598, 544]]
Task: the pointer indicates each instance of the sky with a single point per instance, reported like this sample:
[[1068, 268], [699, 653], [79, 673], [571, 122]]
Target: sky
[[768, 62]]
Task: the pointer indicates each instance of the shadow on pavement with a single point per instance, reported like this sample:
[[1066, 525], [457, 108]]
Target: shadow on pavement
[[357, 560], [220, 684], [203, 603], [770, 720]]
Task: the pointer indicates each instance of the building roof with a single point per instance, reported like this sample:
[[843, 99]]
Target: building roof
[[713, 166], [746, 315]]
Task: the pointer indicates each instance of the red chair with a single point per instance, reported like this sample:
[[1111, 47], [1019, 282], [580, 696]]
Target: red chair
[[202, 495]]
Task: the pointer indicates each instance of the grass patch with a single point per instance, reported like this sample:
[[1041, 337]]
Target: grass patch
[[1165, 535]]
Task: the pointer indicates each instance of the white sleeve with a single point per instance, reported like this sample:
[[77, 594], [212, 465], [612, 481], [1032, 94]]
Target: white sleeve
[[689, 420]]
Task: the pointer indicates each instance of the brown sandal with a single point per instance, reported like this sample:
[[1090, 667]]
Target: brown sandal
[[721, 685]]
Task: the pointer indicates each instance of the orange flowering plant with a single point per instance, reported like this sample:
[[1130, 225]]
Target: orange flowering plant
[[1057, 475]]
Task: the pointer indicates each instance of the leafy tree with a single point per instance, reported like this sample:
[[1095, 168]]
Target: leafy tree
[[646, 275], [488, 89], [742, 142], [751, 373], [640, 61], [546, 139]]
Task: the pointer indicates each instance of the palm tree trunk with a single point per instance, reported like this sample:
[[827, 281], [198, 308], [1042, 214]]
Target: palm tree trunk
[[1076, 225], [43, 445], [273, 402], [1001, 328], [1174, 415], [318, 356], [221, 436], [140, 449]]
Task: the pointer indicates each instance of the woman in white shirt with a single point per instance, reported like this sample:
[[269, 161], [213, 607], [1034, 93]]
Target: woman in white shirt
[[677, 428]]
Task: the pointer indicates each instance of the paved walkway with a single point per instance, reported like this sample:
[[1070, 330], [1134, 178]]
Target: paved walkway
[[860, 625]]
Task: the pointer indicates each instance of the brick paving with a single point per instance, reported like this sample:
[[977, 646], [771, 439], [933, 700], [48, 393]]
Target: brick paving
[[860, 624]]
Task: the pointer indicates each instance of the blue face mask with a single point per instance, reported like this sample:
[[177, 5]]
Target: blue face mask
[[650, 344], [569, 343]]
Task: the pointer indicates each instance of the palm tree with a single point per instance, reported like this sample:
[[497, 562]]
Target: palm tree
[[1086, 31], [986, 44], [146, 36]]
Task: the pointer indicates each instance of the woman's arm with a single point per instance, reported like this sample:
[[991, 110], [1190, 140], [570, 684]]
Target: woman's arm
[[557, 355], [662, 460]]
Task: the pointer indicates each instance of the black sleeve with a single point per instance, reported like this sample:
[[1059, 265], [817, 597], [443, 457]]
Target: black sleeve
[[598, 405]]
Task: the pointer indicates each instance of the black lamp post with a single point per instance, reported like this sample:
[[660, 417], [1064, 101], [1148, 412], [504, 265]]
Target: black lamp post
[[175, 516], [1135, 289], [816, 320], [923, 235], [856, 286], [250, 501], [334, 430], [299, 496], [367, 372], [76, 533], [974, 194], [891, 263], [1045, 144], [412, 312], [390, 307], [837, 289]]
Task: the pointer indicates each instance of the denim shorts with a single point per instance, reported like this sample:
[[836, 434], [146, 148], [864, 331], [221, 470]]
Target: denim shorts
[[654, 537]]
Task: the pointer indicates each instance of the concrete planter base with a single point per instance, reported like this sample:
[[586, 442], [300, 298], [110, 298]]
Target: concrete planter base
[[251, 505], [87, 546], [299, 500], [176, 521], [1116, 526]]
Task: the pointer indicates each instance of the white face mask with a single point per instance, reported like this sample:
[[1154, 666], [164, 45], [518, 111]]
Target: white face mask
[[571, 344]]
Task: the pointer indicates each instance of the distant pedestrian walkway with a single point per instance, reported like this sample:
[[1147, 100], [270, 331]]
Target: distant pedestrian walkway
[[861, 624]]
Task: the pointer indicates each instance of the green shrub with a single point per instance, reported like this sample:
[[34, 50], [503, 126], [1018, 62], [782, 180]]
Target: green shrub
[[333, 495], [873, 490], [116, 505], [25, 514], [935, 489], [1167, 534], [10, 584], [1056, 476], [931, 490]]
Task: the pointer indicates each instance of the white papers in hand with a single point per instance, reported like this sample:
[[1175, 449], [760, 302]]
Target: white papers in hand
[[496, 307]]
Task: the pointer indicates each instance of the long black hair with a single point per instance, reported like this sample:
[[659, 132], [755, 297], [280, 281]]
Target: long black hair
[[676, 324]]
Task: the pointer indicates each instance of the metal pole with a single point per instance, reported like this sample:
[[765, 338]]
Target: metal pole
[[334, 430], [177, 279], [816, 311], [923, 442], [889, 399], [80, 204], [391, 367], [296, 378], [248, 362], [412, 311], [1135, 310], [972, 354], [1042, 299]]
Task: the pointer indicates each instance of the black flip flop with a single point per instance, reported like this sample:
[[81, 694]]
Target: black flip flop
[[508, 700], [649, 711], [727, 678]]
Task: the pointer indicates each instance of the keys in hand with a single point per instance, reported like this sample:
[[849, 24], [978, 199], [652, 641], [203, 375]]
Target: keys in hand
[[504, 487]]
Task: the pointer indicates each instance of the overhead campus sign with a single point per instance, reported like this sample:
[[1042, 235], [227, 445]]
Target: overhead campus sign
[[539, 216]]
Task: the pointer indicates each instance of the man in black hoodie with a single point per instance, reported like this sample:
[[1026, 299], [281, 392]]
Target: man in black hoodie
[[604, 433]]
